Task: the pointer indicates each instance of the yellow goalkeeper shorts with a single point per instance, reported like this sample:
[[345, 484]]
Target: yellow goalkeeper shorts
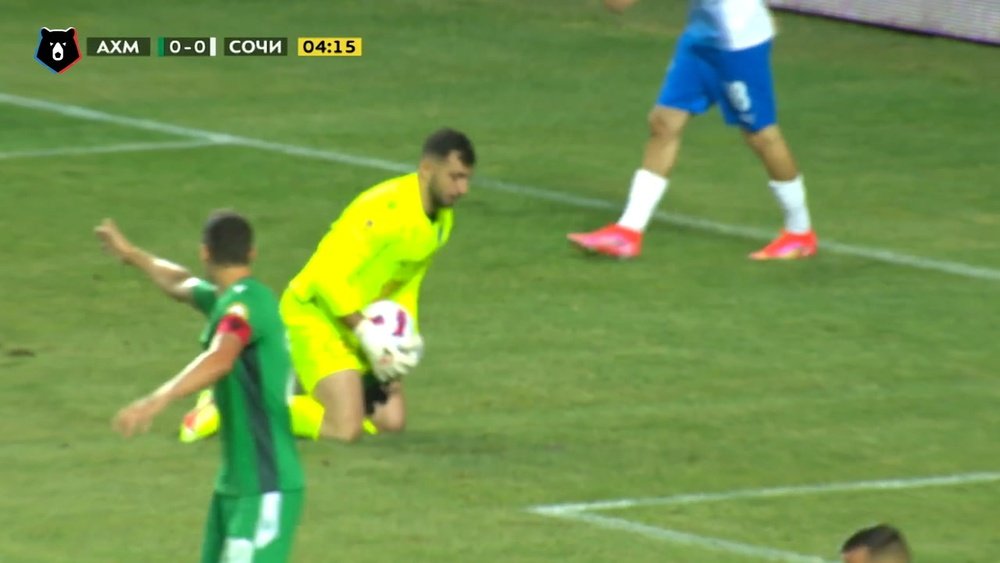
[[319, 346]]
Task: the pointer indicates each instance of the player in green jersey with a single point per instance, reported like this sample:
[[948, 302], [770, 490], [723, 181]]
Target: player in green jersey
[[258, 493]]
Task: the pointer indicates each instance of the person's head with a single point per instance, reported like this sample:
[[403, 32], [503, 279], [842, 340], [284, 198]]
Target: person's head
[[226, 242], [446, 166], [878, 544]]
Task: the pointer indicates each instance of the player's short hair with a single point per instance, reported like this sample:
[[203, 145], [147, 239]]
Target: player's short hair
[[881, 541], [228, 237], [442, 142]]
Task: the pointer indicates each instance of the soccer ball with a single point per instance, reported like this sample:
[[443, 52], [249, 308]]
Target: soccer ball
[[398, 321]]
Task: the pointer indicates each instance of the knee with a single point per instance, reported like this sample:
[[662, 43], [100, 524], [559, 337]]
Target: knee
[[393, 425], [664, 125], [347, 432], [765, 138], [347, 435]]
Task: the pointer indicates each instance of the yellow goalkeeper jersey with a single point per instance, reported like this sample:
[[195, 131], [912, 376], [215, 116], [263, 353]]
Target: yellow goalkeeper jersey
[[379, 247]]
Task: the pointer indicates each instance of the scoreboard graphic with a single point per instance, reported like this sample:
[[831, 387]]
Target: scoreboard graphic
[[58, 49]]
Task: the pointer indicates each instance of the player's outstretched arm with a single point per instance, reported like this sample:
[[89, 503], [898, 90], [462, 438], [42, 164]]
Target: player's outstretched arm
[[209, 367], [176, 281]]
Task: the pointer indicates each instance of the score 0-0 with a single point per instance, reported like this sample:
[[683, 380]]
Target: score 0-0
[[186, 46]]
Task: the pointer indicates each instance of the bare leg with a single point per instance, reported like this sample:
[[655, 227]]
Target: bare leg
[[342, 397], [390, 416], [797, 239], [623, 239], [666, 125], [770, 146]]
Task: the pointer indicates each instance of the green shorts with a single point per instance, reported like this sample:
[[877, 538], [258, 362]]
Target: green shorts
[[256, 528]]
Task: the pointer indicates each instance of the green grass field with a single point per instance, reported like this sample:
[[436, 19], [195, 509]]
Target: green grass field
[[549, 378]]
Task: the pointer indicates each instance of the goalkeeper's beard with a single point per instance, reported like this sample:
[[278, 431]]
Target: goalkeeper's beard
[[442, 201]]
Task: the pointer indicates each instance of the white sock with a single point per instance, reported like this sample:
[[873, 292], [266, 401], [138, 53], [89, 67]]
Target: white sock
[[643, 197], [791, 195]]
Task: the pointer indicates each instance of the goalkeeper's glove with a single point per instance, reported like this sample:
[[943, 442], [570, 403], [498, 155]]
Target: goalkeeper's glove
[[389, 359]]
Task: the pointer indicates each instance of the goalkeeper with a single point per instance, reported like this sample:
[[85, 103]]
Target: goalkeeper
[[379, 248]]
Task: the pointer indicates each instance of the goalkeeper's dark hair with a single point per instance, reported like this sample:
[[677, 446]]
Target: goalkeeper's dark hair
[[882, 540], [228, 237], [442, 142]]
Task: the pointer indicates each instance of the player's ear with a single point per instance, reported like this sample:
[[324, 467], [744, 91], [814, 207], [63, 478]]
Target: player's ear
[[253, 254], [204, 254]]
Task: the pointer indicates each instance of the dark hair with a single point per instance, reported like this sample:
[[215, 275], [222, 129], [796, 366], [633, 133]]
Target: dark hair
[[228, 237], [882, 539], [442, 142]]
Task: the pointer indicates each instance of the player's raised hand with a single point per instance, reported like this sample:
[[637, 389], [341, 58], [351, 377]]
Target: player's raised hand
[[138, 416], [619, 6], [113, 241]]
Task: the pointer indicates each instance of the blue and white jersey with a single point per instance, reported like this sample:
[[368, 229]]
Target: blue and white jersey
[[731, 25]]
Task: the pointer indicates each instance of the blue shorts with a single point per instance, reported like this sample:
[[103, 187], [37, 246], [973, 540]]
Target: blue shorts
[[739, 81]]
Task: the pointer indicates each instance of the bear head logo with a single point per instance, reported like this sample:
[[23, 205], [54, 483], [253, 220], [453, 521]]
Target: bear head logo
[[58, 49]]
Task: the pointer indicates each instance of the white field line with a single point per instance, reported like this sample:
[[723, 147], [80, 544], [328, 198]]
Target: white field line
[[870, 253], [584, 511], [108, 149], [773, 492], [692, 540]]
